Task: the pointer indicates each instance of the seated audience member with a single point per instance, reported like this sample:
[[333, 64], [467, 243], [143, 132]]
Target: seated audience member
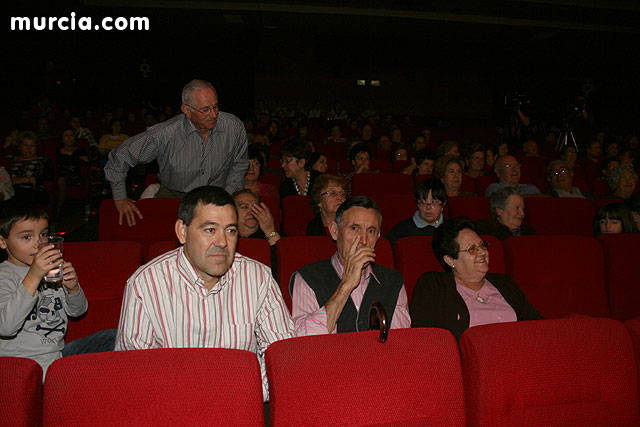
[[254, 217], [474, 158], [384, 147], [6, 187], [507, 169], [295, 159], [449, 169], [29, 171], [418, 143], [594, 159], [111, 140], [360, 157], [503, 149], [431, 197], [448, 148], [10, 147], [507, 210], [319, 162], [628, 157], [254, 172], [400, 153], [327, 194], [328, 296], [193, 284], [611, 150], [530, 148], [633, 203], [491, 155], [570, 155], [466, 295], [622, 181], [366, 133], [33, 313], [614, 218], [70, 159], [81, 132], [560, 176], [421, 163]]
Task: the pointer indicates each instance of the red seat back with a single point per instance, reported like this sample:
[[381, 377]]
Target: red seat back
[[155, 387], [483, 181], [621, 276], [572, 372], [394, 208], [474, 207], [633, 326], [560, 215], [21, 391], [353, 379], [559, 274], [372, 184], [296, 214]]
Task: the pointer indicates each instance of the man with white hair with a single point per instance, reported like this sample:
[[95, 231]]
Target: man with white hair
[[508, 171], [201, 146]]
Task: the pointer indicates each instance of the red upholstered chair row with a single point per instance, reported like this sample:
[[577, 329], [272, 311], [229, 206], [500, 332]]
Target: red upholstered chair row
[[571, 372], [217, 387], [353, 379], [621, 275], [20, 392]]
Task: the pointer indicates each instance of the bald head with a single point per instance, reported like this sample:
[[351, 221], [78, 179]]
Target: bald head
[[508, 170]]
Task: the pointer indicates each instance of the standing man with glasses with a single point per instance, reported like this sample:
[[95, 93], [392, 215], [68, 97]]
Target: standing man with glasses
[[201, 146], [430, 196], [508, 171]]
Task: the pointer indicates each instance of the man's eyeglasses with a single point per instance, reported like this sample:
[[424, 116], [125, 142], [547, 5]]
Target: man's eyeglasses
[[206, 110], [334, 194], [474, 249], [434, 204], [511, 166], [562, 171]]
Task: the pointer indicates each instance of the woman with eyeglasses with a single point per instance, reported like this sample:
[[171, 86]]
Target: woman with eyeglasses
[[507, 210], [254, 171], [431, 197], [327, 194], [466, 294]]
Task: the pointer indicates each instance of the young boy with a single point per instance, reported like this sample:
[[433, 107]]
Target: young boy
[[33, 314]]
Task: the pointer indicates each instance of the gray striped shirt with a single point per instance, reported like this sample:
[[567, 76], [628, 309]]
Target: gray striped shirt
[[185, 162]]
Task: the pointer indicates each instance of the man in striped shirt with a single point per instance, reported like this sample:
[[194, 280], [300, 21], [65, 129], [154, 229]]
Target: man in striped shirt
[[336, 295], [203, 294]]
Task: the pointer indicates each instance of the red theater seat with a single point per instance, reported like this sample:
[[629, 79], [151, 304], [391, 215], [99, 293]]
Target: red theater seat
[[560, 275], [353, 379], [373, 184], [560, 215], [483, 181], [633, 326], [621, 275], [563, 372], [155, 387], [474, 207], [394, 208], [21, 392], [296, 214], [414, 256]]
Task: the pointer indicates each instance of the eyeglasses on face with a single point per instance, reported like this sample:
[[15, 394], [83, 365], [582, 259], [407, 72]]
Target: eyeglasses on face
[[434, 204], [334, 194], [512, 166], [562, 171], [474, 249], [206, 110]]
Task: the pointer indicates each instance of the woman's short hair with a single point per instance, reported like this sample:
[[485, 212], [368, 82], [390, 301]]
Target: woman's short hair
[[27, 134], [473, 148], [616, 173], [358, 148], [438, 192], [320, 184], [315, 156], [500, 198], [298, 149], [446, 146], [618, 211], [255, 152], [444, 239], [443, 163], [424, 154]]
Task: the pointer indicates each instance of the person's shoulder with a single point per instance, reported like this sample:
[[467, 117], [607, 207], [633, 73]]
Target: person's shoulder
[[551, 192], [9, 276], [245, 265], [158, 265], [433, 280], [229, 119]]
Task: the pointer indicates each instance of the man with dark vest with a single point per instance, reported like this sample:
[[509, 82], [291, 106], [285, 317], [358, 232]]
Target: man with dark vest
[[335, 295]]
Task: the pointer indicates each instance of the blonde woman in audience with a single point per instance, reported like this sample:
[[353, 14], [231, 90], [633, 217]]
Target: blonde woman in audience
[[466, 294], [449, 169], [327, 194]]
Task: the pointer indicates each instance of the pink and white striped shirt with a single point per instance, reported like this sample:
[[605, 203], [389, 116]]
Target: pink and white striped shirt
[[167, 306], [310, 319]]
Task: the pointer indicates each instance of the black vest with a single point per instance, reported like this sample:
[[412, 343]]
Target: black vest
[[323, 279]]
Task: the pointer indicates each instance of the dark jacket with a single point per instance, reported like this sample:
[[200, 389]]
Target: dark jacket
[[494, 228]]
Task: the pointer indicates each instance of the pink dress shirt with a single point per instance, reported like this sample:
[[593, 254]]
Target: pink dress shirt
[[486, 305]]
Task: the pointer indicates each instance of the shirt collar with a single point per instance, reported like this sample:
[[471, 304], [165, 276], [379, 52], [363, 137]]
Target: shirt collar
[[339, 268], [189, 128], [193, 278], [420, 223]]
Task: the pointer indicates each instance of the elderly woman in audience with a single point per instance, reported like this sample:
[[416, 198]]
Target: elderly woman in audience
[[448, 148], [622, 181], [319, 162], [431, 198], [422, 163], [327, 194], [295, 158], [466, 294], [507, 210], [29, 171], [560, 176], [254, 171], [474, 158], [449, 169], [254, 217], [614, 218], [70, 160]]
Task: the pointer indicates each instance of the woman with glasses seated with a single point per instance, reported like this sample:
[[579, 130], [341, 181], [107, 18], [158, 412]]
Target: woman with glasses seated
[[507, 210], [327, 194], [466, 294], [430, 196]]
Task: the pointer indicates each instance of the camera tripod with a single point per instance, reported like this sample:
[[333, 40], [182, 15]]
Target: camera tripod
[[566, 138]]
